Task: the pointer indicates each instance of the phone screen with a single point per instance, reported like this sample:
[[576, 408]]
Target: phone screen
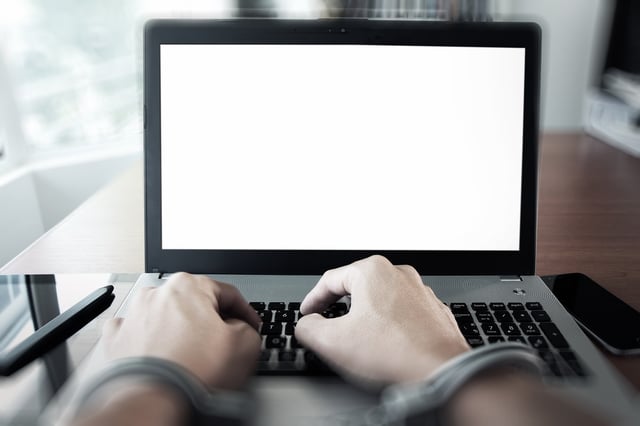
[[603, 314]]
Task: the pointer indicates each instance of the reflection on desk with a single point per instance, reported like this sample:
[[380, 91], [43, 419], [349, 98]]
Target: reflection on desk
[[27, 302]]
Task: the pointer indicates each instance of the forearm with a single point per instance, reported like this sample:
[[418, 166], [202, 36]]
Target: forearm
[[133, 405], [506, 398]]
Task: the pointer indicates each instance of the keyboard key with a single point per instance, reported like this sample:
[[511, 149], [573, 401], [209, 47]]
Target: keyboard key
[[515, 306], [521, 316], [510, 329], [294, 306], [573, 362], [271, 328], [484, 317], [459, 308], [495, 339], [276, 306], [329, 313], [533, 306], [285, 316], [265, 355], [540, 316], [538, 342], [289, 328], [474, 342], [463, 318], [469, 329], [491, 329], [477, 306], [258, 306], [340, 308], [529, 329], [503, 316], [552, 363], [518, 339], [287, 356], [275, 342], [265, 316], [315, 364], [497, 306], [553, 334]]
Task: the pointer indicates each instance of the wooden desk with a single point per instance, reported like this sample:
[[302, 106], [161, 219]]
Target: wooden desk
[[589, 221]]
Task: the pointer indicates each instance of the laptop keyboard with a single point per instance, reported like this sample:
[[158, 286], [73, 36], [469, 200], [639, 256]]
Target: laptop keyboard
[[480, 323]]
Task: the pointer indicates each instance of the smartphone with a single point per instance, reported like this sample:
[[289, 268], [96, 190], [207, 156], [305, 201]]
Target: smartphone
[[610, 321]]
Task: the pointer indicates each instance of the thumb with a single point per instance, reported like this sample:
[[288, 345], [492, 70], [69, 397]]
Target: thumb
[[320, 334], [245, 336]]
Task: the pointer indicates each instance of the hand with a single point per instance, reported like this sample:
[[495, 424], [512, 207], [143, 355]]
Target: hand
[[205, 326], [396, 330]]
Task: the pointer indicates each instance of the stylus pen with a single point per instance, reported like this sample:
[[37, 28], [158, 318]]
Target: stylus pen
[[57, 330]]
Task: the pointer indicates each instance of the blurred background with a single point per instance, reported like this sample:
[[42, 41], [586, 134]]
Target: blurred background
[[71, 83]]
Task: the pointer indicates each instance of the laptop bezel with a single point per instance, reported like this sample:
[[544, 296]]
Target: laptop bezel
[[313, 262]]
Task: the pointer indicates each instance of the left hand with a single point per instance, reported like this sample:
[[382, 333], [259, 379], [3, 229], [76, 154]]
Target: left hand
[[205, 326]]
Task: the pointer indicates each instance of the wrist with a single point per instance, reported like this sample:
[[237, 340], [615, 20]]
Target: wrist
[[202, 405], [504, 388], [507, 397], [428, 402], [428, 363], [128, 401]]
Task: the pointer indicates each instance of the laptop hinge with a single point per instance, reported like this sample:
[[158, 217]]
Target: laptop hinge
[[510, 278]]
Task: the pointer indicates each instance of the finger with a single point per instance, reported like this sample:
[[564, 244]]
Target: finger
[[231, 304], [320, 334], [333, 284], [246, 337]]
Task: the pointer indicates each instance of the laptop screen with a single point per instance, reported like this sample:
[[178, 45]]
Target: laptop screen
[[341, 147]]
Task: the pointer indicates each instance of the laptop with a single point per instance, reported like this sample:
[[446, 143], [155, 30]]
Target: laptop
[[275, 150]]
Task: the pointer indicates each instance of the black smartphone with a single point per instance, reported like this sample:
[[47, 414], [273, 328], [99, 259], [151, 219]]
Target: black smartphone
[[609, 320]]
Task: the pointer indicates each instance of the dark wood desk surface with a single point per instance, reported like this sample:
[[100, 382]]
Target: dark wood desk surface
[[589, 221]]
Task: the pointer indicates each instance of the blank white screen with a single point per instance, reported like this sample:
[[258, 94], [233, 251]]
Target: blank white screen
[[341, 147]]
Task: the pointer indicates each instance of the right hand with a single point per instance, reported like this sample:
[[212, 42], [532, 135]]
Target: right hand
[[396, 331]]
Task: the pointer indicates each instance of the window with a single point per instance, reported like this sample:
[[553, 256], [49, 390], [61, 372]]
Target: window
[[74, 72], [14, 310]]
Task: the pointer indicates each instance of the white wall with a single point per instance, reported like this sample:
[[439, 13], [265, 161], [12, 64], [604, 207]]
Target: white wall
[[20, 220], [37, 197], [574, 34], [60, 189]]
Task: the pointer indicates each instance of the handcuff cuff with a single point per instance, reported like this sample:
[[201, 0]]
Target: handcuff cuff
[[422, 403], [220, 408]]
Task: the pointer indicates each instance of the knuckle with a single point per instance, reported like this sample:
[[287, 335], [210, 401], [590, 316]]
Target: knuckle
[[379, 260], [410, 270], [111, 325], [371, 265], [180, 276]]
